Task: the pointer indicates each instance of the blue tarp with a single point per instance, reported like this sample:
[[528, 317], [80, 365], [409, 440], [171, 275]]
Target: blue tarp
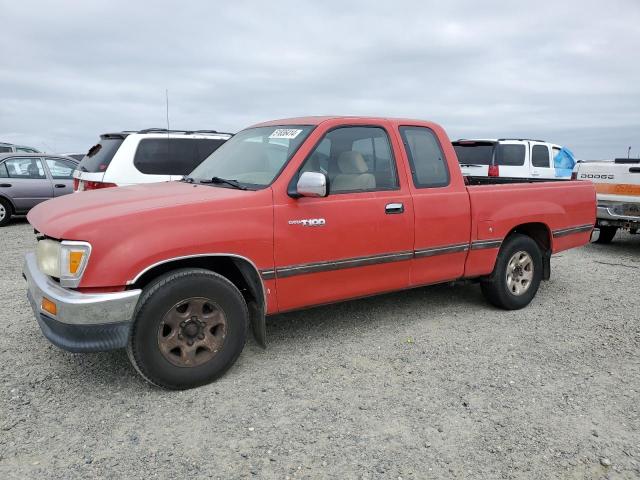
[[564, 162]]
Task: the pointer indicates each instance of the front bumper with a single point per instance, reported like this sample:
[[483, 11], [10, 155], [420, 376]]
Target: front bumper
[[84, 322]]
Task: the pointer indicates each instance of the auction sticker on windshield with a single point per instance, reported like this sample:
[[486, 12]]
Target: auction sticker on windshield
[[285, 133]]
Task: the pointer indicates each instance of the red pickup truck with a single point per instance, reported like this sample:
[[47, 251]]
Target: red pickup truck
[[286, 215]]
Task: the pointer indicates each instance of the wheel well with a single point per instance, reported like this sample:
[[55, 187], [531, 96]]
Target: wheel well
[[541, 234], [538, 231], [8, 200], [240, 272]]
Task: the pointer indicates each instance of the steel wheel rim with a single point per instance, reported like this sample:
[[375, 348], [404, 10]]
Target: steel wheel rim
[[519, 273], [192, 332], [3, 212]]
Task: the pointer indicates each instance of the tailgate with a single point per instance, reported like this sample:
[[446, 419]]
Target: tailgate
[[617, 181]]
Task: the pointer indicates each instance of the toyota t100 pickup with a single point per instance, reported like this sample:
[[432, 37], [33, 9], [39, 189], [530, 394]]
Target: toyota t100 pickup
[[286, 215]]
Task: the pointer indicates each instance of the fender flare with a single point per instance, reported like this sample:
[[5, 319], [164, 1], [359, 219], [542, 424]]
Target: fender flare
[[250, 274]]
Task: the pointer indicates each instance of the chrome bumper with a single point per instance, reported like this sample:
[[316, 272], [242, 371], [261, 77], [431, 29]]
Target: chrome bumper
[[607, 214], [84, 321]]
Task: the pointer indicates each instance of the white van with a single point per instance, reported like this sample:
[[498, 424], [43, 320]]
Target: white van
[[618, 190], [146, 156], [509, 157]]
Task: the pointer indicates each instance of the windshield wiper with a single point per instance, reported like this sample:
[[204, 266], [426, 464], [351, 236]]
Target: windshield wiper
[[232, 183]]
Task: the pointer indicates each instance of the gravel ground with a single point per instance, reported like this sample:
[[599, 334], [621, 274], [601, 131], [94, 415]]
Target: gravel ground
[[430, 383]]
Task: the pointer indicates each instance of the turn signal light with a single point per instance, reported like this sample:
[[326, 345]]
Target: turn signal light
[[75, 259], [48, 306]]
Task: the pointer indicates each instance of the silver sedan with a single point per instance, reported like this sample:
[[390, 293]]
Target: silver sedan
[[27, 179]]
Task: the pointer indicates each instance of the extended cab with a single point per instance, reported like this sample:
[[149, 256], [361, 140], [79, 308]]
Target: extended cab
[[617, 185], [285, 215]]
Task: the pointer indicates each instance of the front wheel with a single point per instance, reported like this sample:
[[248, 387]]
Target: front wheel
[[516, 275], [5, 212], [189, 327], [606, 234]]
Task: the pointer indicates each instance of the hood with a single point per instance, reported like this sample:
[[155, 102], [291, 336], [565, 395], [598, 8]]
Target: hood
[[72, 216]]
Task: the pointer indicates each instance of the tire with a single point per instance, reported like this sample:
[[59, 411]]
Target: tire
[[6, 211], [506, 288], [199, 300], [606, 234]]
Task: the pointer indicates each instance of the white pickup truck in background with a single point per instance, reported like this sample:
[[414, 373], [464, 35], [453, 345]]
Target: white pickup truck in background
[[510, 157], [618, 189]]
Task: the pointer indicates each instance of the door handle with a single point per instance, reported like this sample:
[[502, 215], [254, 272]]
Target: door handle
[[6, 185], [60, 185], [392, 208]]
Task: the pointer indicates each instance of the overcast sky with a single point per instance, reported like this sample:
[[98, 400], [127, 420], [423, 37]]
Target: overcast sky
[[567, 72]]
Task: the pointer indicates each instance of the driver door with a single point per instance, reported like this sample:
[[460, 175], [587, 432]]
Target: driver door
[[358, 240]]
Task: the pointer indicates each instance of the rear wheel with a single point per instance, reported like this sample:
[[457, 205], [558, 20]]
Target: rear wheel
[[606, 234], [516, 275], [5, 212], [189, 328]]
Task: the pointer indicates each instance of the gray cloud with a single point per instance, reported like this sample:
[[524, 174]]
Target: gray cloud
[[564, 71]]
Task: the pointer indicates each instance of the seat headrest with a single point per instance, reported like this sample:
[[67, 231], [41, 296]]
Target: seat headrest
[[351, 162], [33, 169]]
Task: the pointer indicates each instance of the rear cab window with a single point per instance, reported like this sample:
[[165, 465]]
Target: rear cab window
[[173, 156], [100, 155]]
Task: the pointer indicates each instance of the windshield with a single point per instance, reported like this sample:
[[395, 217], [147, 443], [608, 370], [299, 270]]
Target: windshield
[[255, 156], [474, 153]]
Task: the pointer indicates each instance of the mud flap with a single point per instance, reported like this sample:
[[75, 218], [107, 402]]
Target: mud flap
[[258, 323], [546, 265]]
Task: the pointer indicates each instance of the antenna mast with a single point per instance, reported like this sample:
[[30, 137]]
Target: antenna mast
[[166, 92]]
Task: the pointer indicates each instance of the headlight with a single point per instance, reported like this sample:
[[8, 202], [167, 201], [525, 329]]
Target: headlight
[[64, 260]]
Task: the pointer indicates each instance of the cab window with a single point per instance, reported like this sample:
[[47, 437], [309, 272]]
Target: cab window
[[428, 165], [355, 159]]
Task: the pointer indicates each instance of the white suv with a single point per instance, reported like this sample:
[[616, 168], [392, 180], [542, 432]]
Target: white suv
[[147, 156], [510, 157]]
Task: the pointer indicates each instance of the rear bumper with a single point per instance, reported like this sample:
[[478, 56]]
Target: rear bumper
[[83, 322], [607, 216]]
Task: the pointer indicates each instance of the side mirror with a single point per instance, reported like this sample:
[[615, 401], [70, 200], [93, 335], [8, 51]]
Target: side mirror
[[312, 184]]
